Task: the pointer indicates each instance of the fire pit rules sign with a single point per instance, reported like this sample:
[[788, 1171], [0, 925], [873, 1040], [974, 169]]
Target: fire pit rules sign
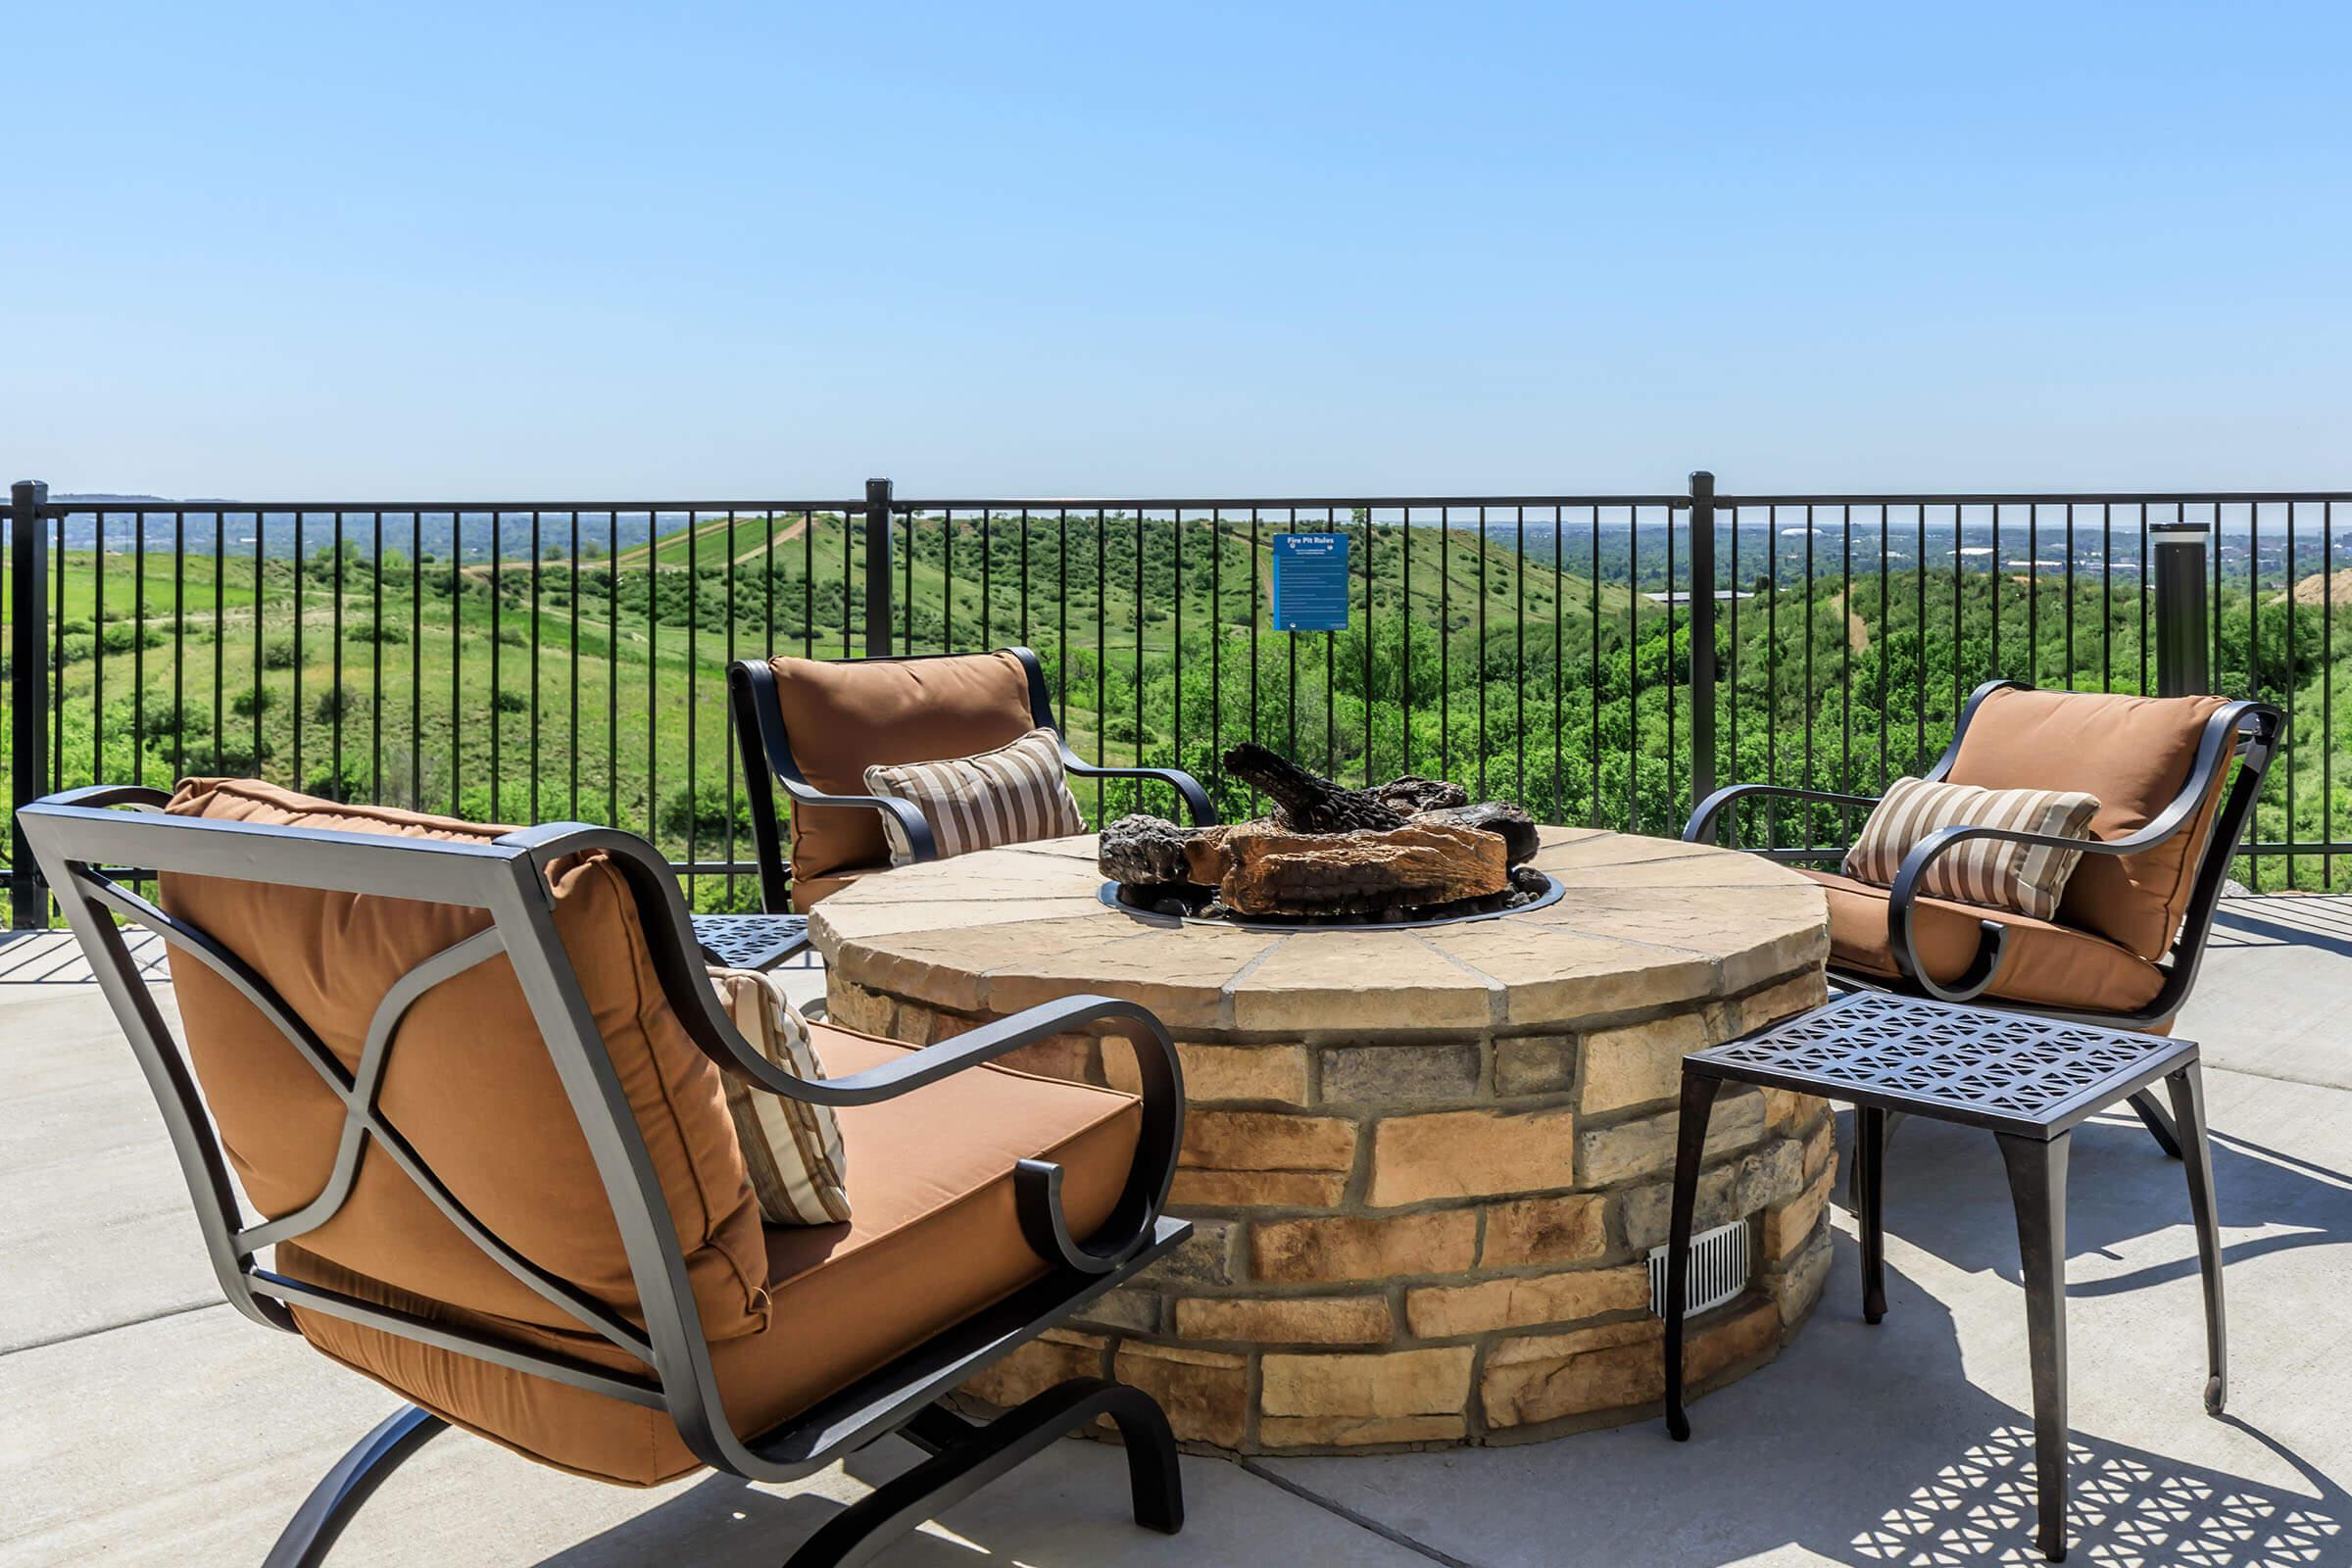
[[1310, 582]]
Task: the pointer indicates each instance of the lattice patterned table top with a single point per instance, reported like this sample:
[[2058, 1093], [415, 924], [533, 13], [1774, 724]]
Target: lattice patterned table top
[[2001, 1069], [750, 941]]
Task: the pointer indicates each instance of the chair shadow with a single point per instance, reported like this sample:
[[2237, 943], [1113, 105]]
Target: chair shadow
[[723, 1522], [1947, 1195]]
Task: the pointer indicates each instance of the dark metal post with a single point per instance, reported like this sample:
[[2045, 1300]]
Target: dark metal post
[[2177, 563], [1702, 635], [877, 568], [28, 690]]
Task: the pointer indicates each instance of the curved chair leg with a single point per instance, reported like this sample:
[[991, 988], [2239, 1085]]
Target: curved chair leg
[[2187, 1087], [312, 1529], [863, 1530]]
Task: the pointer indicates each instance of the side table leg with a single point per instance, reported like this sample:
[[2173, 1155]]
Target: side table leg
[[1870, 1179], [1691, 1146], [2037, 1188], [2187, 1088]]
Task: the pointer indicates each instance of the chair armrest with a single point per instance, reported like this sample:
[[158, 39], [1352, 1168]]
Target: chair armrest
[[1700, 829], [920, 842], [1187, 788]]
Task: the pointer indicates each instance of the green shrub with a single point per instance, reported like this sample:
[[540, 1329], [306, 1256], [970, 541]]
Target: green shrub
[[509, 701], [332, 703], [277, 654], [253, 700], [378, 632]]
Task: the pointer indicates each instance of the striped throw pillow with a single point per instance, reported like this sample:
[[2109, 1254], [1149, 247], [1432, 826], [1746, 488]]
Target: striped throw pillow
[[1998, 874], [791, 1150], [1013, 795]]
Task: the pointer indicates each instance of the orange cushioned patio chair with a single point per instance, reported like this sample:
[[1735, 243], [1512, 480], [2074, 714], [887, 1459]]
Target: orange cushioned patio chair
[[812, 727], [2131, 929], [472, 1080]]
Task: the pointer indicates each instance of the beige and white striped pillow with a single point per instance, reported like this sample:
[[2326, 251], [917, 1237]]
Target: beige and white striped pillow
[[1013, 795], [2029, 878], [791, 1150]]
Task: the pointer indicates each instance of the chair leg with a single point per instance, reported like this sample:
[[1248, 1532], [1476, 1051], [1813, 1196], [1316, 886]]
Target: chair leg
[[867, 1527], [2187, 1087], [1691, 1146], [1871, 1129], [307, 1536], [2037, 1188], [2159, 1125]]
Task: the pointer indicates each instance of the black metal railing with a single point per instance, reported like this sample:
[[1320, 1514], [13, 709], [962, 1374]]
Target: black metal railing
[[1595, 657]]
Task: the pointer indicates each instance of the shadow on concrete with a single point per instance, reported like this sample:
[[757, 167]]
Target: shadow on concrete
[[53, 957], [2121, 1187]]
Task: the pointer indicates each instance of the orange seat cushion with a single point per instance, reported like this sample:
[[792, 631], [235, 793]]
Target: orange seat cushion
[[469, 1081], [934, 1239], [2046, 964], [2134, 754], [843, 715]]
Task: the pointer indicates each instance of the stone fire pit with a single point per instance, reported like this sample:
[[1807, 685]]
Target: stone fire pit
[[1427, 1164]]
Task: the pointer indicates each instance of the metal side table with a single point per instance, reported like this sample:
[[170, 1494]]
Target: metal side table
[[751, 940], [2029, 1082]]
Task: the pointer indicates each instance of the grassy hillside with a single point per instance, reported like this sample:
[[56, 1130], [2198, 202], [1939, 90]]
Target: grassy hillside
[[594, 688]]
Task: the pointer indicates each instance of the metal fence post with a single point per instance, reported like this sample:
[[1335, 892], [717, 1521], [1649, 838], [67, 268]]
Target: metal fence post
[[28, 690], [2178, 564], [1702, 635], [877, 568]]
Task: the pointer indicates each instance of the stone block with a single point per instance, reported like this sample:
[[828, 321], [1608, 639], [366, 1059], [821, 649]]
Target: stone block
[[1566, 1229], [1642, 1062], [1206, 1257], [1644, 1145], [1257, 1189], [1798, 1285], [1393, 1383], [1784, 999], [1443, 1312], [1219, 1072], [1356, 1430], [1267, 1139], [1470, 1154], [1055, 1356], [1126, 1309], [1076, 1057], [1821, 1149], [1205, 1393], [1547, 1377], [1534, 1064], [1771, 1174], [1788, 1226], [1398, 1075], [1346, 1248], [1300, 1320]]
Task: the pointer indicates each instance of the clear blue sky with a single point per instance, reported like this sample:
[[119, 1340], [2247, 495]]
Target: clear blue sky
[[579, 251]]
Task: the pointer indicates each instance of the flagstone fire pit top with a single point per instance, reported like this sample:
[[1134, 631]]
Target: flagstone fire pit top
[[1426, 1164]]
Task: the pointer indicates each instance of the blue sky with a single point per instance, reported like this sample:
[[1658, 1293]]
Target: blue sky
[[335, 251]]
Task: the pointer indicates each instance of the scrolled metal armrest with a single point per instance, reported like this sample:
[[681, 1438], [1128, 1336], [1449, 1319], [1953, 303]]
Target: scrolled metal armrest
[[140, 797], [1187, 788], [919, 838], [1700, 829]]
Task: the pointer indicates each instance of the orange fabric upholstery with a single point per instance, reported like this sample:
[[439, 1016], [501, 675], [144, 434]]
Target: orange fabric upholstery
[[2048, 964], [934, 1239], [2136, 754], [843, 715], [469, 1081]]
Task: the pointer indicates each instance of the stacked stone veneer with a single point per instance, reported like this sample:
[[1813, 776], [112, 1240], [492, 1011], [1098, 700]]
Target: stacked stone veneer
[[1422, 1211]]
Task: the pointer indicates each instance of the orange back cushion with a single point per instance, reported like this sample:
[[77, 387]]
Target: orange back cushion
[[2134, 754], [845, 717], [469, 1081]]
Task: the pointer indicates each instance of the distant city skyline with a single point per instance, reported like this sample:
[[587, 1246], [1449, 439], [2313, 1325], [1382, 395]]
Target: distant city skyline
[[548, 252]]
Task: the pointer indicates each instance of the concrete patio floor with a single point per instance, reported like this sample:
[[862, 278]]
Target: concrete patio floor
[[141, 1420]]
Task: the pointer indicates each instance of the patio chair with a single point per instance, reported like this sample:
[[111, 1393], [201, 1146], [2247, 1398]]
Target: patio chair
[[2123, 946], [471, 1079], [813, 726]]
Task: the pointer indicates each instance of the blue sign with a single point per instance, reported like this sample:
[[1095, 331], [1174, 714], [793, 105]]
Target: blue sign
[[1310, 582]]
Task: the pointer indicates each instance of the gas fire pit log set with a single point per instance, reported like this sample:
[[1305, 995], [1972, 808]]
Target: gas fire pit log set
[[1412, 849]]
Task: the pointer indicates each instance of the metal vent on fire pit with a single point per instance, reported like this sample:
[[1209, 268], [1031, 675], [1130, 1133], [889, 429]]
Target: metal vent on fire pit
[[1718, 1269]]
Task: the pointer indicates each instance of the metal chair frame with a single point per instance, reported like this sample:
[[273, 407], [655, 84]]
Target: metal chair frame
[[2249, 732], [768, 765], [75, 834]]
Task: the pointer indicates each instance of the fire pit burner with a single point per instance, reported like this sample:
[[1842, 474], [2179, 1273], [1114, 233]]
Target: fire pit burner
[[1118, 899], [1410, 851]]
